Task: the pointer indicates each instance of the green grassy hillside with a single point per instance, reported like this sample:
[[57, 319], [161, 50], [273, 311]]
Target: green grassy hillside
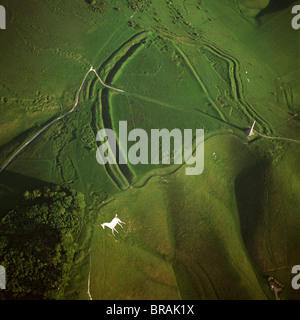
[[212, 65]]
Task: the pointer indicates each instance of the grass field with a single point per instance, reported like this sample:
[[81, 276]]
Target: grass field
[[212, 65]]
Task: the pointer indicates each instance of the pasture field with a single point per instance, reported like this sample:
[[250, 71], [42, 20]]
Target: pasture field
[[212, 65]]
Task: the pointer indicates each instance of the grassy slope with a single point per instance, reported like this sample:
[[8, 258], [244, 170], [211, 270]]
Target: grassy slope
[[186, 237], [270, 217], [188, 224]]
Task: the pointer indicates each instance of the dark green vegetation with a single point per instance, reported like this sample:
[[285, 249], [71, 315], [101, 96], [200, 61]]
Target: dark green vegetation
[[97, 6], [190, 64], [38, 243]]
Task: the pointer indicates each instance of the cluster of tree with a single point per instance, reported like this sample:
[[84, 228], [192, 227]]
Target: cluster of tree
[[138, 4], [97, 6], [38, 243]]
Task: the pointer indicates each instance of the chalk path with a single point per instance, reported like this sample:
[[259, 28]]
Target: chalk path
[[277, 138], [89, 279]]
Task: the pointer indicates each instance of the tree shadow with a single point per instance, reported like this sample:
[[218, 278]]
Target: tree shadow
[[12, 187]]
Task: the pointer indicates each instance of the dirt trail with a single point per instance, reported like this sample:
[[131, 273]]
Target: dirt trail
[[59, 118]]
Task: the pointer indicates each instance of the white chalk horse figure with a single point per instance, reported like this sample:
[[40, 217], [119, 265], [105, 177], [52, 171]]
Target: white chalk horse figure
[[115, 221]]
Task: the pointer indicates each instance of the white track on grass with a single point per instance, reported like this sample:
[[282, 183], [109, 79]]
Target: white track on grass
[[276, 138], [89, 279]]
